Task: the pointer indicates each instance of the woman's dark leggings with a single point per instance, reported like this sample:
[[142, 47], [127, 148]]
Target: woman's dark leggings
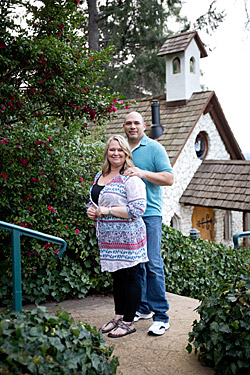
[[127, 292]]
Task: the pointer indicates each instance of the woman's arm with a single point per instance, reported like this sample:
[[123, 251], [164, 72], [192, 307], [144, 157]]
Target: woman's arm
[[120, 211], [136, 196]]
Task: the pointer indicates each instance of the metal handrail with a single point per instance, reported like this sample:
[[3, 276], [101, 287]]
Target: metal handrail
[[239, 235], [17, 231]]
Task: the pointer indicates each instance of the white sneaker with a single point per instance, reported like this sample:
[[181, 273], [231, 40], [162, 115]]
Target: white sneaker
[[158, 328], [139, 316]]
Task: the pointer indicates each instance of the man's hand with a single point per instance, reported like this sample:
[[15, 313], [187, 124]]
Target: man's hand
[[157, 178], [134, 171]]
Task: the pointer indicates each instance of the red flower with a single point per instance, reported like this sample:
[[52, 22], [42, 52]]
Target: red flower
[[24, 161], [4, 175]]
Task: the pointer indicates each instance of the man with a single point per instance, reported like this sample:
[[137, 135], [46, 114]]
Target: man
[[153, 166]]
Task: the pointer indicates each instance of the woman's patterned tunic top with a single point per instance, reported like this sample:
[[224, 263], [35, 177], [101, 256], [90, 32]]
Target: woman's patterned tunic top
[[122, 242]]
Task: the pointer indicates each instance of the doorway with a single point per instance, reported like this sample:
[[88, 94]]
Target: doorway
[[203, 220]]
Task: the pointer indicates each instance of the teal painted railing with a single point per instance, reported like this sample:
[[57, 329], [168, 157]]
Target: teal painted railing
[[17, 231], [239, 235]]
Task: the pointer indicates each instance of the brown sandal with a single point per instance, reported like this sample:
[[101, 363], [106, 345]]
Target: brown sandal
[[125, 326], [112, 321]]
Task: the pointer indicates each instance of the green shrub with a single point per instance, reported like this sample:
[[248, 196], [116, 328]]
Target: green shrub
[[50, 91], [196, 269], [218, 276], [222, 336], [36, 342], [46, 189]]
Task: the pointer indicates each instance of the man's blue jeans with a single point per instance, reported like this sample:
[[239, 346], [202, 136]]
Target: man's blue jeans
[[151, 274]]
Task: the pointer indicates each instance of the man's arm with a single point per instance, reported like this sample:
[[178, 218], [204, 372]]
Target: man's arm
[[157, 178]]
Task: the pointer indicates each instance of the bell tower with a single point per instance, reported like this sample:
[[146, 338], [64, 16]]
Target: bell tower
[[183, 52]]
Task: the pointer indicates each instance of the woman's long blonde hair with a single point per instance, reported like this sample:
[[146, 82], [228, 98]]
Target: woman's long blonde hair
[[106, 167]]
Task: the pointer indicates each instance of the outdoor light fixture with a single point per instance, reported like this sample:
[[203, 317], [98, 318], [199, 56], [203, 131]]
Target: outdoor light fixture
[[194, 234], [156, 128]]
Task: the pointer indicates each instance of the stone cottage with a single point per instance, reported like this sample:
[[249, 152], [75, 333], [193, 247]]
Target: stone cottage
[[211, 191]]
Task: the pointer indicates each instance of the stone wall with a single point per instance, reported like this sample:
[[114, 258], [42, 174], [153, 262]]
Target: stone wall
[[184, 169]]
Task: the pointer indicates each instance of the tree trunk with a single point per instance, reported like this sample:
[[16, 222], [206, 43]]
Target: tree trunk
[[93, 32]]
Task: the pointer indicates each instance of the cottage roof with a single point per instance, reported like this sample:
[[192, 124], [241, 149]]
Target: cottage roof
[[223, 184], [179, 121], [180, 42]]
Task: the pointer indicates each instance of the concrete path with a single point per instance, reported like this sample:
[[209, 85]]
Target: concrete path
[[138, 353]]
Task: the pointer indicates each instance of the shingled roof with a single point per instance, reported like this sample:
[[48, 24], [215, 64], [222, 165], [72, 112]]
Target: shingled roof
[[179, 42], [223, 184], [179, 121]]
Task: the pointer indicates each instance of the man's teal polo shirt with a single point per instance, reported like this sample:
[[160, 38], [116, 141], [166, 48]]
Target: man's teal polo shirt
[[151, 156]]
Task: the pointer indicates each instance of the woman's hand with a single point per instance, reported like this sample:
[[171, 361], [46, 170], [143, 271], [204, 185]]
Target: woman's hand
[[100, 211], [91, 212]]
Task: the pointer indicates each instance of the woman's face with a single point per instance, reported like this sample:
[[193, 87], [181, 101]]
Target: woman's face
[[116, 155]]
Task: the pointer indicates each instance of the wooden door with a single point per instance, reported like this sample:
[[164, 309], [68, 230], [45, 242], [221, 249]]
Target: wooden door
[[203, 220]]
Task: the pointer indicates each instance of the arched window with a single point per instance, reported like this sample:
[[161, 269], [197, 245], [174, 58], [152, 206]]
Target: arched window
[[201, 145], [176, 65], [192, 65], [174, 223]]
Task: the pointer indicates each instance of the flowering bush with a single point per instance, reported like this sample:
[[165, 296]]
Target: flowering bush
[[47, 185], [46, 69], [49, 93]]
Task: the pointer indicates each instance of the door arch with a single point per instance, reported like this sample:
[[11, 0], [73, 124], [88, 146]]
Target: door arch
[[203, 220]]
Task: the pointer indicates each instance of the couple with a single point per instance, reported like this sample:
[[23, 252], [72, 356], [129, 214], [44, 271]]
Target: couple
[[128, 226]]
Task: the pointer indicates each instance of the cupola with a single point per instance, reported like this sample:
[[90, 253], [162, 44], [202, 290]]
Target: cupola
[[183, 52]]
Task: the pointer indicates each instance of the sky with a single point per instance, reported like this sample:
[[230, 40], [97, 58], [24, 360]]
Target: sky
[[226, 69]]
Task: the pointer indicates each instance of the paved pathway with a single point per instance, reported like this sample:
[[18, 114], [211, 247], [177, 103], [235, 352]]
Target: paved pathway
[[138, 353]]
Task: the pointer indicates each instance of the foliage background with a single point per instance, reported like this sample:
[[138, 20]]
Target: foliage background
[[36, 342], [49, 92]]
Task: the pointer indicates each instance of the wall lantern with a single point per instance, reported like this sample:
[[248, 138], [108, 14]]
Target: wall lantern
[[194, 234]]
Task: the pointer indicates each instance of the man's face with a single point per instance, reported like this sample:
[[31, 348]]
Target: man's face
[[134, 127]]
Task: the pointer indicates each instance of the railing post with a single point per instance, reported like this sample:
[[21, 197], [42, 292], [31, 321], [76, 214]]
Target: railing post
[[16, 255], [16, 268]]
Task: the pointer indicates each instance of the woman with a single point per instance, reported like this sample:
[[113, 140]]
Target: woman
[[117, 203]]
